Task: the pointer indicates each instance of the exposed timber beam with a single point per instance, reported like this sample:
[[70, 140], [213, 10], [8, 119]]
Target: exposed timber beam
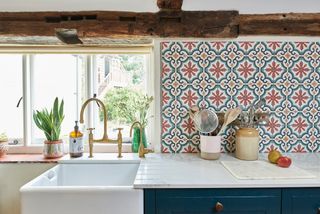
[[122, 24], [166, 23], [296, 24], [170, 4]]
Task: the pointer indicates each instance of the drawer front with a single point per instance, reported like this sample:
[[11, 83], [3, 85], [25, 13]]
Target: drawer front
[[228, 201], [301, 200]]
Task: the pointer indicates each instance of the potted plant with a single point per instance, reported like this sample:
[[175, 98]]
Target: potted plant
[[50, 123], [3, 144]]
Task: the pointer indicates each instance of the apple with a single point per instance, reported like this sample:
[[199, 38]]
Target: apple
[[284, 161], [274, 156]]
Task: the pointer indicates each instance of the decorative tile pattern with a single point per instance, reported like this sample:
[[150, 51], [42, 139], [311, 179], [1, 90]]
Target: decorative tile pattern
[[221, 75]]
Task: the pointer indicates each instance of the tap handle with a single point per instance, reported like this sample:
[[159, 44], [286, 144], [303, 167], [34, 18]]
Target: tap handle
[[149, 150], [90, 130]]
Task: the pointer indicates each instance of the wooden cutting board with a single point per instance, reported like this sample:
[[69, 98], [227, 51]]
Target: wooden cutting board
[[254, 170]]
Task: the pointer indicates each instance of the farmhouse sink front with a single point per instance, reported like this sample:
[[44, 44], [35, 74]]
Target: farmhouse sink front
[[85, 188]]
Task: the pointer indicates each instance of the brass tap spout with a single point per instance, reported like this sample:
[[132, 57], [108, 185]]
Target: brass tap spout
[[142, 150], [104, 138]]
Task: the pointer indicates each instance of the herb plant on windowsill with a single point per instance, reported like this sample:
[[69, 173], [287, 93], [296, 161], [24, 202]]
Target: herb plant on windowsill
[[50, 123]]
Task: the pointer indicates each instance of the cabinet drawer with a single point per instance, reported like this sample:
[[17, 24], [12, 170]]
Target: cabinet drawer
[[301, 200], [204, 201]]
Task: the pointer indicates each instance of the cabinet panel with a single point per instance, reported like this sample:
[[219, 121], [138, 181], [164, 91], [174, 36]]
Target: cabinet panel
[[207, 201], [301, 200]]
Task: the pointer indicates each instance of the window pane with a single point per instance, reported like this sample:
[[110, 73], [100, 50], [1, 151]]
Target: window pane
[[11, 117], [119, 78], [57, 75]]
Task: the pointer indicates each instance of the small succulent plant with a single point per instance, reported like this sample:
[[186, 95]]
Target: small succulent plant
[[3, 137], [50, 121]]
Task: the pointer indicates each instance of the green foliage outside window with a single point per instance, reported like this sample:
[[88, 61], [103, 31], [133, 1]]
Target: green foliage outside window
[[134, 64], [126, 105]]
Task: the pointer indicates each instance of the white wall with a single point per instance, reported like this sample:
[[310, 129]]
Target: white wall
[[244, 6], [254, 6], [78, 5], [12, 177]]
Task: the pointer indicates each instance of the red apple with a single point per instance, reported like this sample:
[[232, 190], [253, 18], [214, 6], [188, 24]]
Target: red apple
[[284, 161]]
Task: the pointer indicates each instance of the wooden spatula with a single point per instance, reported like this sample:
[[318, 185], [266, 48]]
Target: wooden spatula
[[229, 117]]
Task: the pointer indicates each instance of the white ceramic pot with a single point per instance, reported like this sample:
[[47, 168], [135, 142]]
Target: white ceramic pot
[[210, 147]]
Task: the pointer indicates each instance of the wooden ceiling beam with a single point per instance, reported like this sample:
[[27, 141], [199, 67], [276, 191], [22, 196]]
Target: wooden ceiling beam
[[170, 4], [123, 24], [166, 23], [290, 24]]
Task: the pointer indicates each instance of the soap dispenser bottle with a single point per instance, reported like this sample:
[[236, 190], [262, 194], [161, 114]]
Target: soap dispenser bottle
[[76, 142]]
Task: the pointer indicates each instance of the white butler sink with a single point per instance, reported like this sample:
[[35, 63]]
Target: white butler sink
[[86, 188]]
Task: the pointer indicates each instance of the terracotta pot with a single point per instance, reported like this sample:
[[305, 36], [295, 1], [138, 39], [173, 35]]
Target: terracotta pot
[[3, 148], [53, 149]]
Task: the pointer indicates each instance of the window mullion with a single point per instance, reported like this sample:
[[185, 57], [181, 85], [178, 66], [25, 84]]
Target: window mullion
[[89, 90], [94, 87], [26, 74]]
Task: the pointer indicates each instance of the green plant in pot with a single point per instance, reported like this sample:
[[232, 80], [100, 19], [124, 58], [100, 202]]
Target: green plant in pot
[[49, 121]]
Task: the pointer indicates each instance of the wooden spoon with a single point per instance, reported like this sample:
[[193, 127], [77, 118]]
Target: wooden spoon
[[229, 117]]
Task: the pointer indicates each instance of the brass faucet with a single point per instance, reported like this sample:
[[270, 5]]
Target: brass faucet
[[142, 150], [104, 138]]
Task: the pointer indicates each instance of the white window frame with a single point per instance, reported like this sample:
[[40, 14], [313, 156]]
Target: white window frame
[[153, 87]]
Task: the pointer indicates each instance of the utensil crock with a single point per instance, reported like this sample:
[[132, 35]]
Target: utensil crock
[[210, 147]]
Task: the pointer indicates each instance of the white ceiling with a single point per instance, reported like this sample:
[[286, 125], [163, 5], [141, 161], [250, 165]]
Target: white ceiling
[[244, 6]]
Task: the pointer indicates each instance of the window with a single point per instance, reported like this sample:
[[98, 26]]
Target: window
[[57, 75], [11, 116], [40, 77], [127, 76]]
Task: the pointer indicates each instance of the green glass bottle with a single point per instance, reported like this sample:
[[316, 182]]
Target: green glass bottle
[[136, 139]]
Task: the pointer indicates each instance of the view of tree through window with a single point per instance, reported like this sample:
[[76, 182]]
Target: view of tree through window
[[122, 89]]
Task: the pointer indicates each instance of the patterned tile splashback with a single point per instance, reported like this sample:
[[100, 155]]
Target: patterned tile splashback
[[222, 75]]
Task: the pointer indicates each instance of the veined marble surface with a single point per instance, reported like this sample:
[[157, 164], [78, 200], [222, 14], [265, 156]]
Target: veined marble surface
[[190, 171]]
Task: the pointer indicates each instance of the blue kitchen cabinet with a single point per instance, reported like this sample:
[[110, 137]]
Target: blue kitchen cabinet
[[209, 201], [301, 201]]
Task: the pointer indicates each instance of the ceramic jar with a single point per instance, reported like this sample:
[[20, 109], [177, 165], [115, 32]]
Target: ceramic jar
[[247, 144], [210, 147], [53, 149]]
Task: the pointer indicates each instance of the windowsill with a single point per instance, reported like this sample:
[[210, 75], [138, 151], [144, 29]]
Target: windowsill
[[26, 158], [97, 148]]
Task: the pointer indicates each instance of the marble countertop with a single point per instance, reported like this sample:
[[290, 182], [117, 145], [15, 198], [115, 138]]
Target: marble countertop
[[190, 171]]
